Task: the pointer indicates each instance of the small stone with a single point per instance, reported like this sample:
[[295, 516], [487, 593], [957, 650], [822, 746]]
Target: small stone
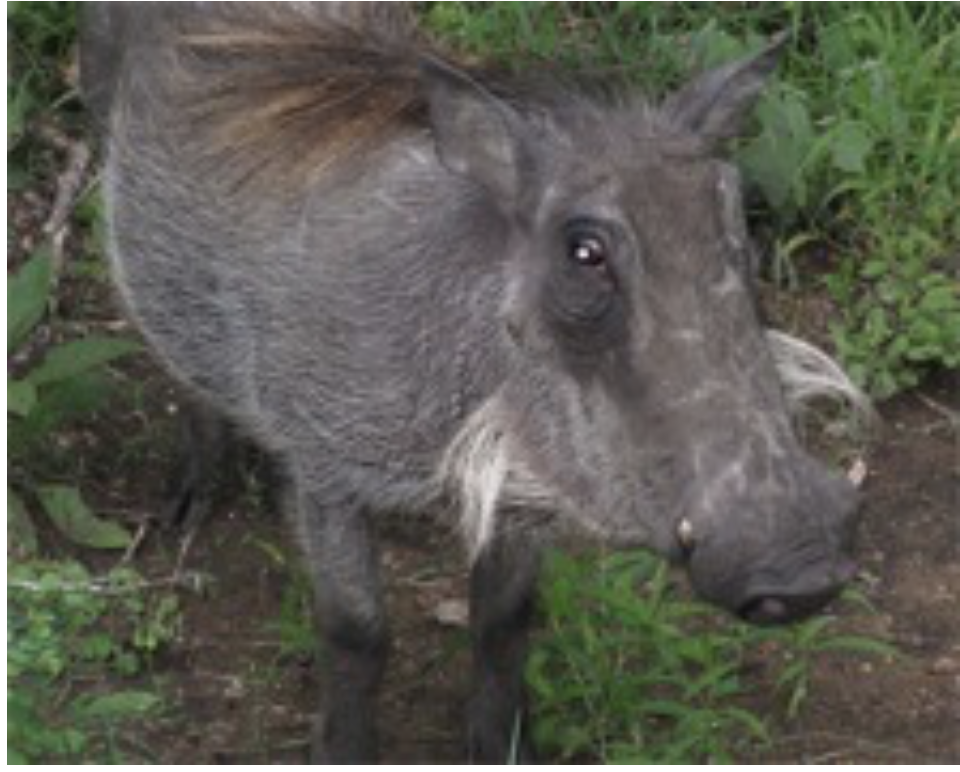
[[945, 666], [453, 612]]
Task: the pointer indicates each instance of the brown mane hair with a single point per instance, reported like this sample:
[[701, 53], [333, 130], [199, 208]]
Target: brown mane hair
[[283, 91]]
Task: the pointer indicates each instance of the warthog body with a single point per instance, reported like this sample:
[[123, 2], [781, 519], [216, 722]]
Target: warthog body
[[426, 289]]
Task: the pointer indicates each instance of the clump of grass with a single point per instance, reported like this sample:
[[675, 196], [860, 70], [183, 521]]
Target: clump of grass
[[623, 680], [629, 670], [895, 224], [41, 36]]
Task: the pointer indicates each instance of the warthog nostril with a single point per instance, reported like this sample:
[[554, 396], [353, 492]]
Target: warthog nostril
[[773, 607], [765, 611]]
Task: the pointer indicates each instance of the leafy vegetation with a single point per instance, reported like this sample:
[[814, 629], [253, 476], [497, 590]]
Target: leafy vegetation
[[629, 670], [66, 629], [69, 634], [68, 382], [40, 37], [79, 643], [619, 677]]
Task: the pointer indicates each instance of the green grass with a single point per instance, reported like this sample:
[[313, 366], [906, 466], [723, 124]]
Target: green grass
[[630, 670], [40, 37], [619, 676]]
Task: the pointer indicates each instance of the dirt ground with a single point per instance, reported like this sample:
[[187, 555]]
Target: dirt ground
[[235, 695], [907, 710]]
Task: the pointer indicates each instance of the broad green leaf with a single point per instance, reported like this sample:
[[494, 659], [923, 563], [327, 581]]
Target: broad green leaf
[[21, 533], [21, 398], [58, 404], [859, 644], [774, 160], [850, 146], [873, 269], [941, 298], [73, 518], [20, 102], [27, 295], [120, 706], [77, 357]]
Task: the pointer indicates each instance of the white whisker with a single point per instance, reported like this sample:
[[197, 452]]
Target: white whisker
[[482, 470], [808, 374]]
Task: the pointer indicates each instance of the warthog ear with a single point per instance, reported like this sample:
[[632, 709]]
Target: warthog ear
[[474, 131], [715, 104]]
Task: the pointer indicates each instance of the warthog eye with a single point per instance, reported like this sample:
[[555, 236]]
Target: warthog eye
[[581, 290], [587, 248]]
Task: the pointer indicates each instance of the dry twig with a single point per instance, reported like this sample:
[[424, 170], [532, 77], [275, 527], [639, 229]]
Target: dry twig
[[70, 186]]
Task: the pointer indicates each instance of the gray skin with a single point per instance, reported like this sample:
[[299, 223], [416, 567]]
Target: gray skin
[[523, 304]]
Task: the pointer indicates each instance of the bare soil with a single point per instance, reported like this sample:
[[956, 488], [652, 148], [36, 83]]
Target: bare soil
[[906, 710]]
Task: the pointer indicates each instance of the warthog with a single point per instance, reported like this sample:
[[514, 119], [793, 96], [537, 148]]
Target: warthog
[[425, 287]]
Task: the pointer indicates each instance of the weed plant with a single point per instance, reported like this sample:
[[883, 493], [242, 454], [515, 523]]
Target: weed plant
[[79, 645], [69, 637], [629, 669]]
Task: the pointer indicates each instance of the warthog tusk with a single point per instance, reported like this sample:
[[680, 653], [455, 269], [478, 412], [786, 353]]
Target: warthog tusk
[[857, 473], [685, 535]]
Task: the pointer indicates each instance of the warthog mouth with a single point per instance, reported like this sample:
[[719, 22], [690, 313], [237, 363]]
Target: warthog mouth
[[778, 604]]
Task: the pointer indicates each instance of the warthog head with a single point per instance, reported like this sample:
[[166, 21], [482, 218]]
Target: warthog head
[[645, 403]]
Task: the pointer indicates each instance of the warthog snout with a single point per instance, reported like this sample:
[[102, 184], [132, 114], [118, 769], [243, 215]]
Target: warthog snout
[[775, 559]]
